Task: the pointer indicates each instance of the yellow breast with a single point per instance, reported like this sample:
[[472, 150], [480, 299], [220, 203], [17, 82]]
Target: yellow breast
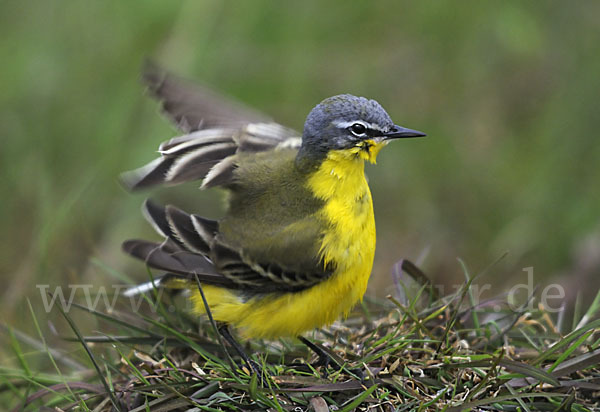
[[348, 240]]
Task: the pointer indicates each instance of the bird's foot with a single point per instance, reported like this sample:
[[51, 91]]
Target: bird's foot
[[253, 366], [325, 360]]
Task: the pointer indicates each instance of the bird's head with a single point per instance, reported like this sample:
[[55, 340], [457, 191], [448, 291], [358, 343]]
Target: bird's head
[[350, 125]]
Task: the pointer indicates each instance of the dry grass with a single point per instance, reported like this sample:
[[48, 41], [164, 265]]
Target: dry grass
[[428, 355]]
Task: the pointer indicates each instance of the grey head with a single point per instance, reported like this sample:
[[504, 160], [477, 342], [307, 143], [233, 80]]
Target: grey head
[[346, 121]]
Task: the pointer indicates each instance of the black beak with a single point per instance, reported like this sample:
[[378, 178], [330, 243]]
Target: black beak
[[398, 132]]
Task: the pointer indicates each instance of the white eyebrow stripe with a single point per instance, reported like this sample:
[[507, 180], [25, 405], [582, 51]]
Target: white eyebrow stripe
[[344, 125]]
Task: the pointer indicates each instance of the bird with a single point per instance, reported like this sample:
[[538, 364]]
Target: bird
[[295, 248]]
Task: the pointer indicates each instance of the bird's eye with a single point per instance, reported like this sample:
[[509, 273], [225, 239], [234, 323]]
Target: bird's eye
[[358, 129]]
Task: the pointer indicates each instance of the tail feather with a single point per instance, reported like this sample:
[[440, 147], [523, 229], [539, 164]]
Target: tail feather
[[169, 257], [168, 280]]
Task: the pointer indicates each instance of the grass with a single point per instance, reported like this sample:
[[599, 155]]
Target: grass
[[423, 354]]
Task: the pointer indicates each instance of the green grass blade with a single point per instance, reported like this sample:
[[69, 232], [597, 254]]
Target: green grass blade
[[75, 329], [358, 400]]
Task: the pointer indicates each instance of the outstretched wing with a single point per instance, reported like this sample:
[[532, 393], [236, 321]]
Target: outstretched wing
[[193, 250], [194, 107], [219, 133], [217, 129], [208, 155]]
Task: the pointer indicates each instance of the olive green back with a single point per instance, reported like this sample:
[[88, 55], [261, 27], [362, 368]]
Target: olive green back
[[272, 216]]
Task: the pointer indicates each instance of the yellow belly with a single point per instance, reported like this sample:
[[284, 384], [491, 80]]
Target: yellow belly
[[349, 241]]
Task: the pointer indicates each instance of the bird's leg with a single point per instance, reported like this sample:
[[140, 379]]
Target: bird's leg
[[325, 359], [255, 367]]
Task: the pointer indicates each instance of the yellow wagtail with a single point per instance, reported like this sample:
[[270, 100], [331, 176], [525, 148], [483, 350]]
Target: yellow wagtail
[[295, 248]]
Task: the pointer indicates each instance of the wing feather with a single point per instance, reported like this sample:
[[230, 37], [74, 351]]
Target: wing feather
[[217, 134], [198, 163], [195, 156], [192, 246], [215, 128], [194, 107]]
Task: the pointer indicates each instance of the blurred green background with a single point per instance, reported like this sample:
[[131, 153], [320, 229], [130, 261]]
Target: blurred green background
[[508, 93]]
